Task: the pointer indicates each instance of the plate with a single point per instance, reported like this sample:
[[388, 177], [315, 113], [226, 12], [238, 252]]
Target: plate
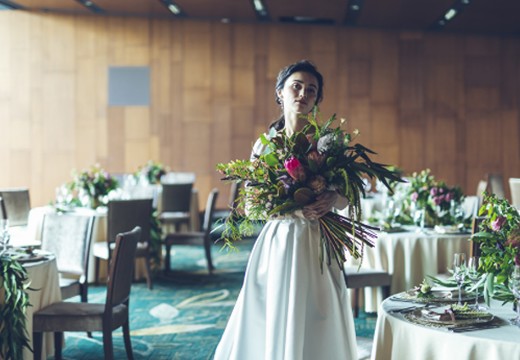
[[439, 296], [440, 317], [447, 229]]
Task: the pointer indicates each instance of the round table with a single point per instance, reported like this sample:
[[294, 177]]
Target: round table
[[397, 339]]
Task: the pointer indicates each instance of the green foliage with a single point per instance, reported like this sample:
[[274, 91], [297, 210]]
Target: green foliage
[[13, 334], [499, 242]]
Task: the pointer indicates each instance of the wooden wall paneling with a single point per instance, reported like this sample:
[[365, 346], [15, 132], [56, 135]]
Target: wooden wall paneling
[[59, 55], [359, 117], [243, 70], [509, 74], [385, 135], [116, 38], [160, 78], [116, 130], [137, 41], [411, 146], [510, 146], [385, 55], [288, 43], [342, 75]]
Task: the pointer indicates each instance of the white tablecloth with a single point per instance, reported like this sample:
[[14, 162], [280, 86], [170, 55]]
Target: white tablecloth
[[409, 257], [397, 339]]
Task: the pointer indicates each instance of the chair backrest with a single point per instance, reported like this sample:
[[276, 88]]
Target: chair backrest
[[210, 209], [233, 194], [17, 205], [514, 187], [176, 197], [496, 185], [481, 187], [121, 268], [69, 236], [3, 211], [475, 228], [124, 215]]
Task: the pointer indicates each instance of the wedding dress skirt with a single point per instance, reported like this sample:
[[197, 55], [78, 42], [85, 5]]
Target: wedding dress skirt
[[287, 308]]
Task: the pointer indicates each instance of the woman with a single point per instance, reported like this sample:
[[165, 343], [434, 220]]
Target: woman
[[288, 308]]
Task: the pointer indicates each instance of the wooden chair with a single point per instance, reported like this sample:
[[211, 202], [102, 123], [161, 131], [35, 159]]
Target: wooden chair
[[233, 195], [122, 216], [69, 236], [176, 204], [195, 237], [17, 205], [496, 185], [3, 214], [514, 187], [360, 278], [481, 188], [69, 316]]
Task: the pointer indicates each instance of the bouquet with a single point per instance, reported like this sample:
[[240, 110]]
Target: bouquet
[[95, 183], [293, 170], [152, 172]]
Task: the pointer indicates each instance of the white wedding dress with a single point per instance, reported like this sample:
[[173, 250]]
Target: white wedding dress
[[287, 308]]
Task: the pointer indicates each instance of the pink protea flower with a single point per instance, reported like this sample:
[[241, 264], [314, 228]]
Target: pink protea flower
[[497, 224], [295, 169]]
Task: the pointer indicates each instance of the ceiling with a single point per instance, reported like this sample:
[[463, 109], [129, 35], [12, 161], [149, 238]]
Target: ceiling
[[486, 17]]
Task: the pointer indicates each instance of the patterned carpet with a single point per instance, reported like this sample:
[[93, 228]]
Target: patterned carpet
[[184, 316]]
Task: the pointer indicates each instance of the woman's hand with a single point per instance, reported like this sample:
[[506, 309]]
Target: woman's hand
[[323, 204]]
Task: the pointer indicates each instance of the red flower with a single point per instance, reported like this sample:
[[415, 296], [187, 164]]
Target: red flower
[[295, 169]]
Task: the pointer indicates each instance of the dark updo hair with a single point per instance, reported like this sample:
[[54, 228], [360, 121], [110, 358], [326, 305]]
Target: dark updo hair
[[283, 75]]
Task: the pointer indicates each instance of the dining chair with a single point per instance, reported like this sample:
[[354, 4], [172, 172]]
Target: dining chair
[[113, 314], [222, 213], [358, 278], [475, 228], [3, 215], [68, 236], [496, 185], [514, 187], [122, 216], [195, 238], [176, 204], [17, 205], [482, 187]]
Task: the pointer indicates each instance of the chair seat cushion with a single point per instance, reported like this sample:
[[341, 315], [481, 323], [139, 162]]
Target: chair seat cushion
[[69, 316], [174, 216], [362, 277]]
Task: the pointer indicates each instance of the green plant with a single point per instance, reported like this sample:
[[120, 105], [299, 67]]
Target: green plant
[[13, 334], [499, 243]]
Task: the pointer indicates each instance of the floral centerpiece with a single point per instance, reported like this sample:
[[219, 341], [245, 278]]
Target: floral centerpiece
[[94, 183], [440, 202], [499, 243], [293, 170], [152, 172]]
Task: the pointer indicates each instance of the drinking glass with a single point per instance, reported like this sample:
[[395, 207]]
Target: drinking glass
[[473, 275], [418, 218], [4, 235], [459, 272], [514, 285]]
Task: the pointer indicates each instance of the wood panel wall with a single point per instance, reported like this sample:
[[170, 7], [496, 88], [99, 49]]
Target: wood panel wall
[[421, 100]]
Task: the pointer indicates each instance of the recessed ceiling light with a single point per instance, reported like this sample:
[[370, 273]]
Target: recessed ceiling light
[[450, 14], [174, 9], [259, 6], [355, 7]]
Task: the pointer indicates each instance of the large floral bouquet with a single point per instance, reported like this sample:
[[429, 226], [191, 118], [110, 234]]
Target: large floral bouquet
[[499, 243], [293, 170], [95, 183]]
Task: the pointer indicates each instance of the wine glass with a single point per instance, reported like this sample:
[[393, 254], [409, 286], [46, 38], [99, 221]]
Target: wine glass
[[474, 276], [459, 272], [4, 235], [514, 285], [418, 218]]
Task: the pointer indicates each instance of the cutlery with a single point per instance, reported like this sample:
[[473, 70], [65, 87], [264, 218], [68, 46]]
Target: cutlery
[[473, 327]]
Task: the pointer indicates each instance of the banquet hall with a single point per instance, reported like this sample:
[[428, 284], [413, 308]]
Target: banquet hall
[[107, 101]]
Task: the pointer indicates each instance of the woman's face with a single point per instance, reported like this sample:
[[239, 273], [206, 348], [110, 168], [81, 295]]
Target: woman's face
[[299, 93]]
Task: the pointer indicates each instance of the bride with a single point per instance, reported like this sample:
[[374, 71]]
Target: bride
[[288, 309]]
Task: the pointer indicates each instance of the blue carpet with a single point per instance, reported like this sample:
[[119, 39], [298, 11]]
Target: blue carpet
[[183, 317]]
